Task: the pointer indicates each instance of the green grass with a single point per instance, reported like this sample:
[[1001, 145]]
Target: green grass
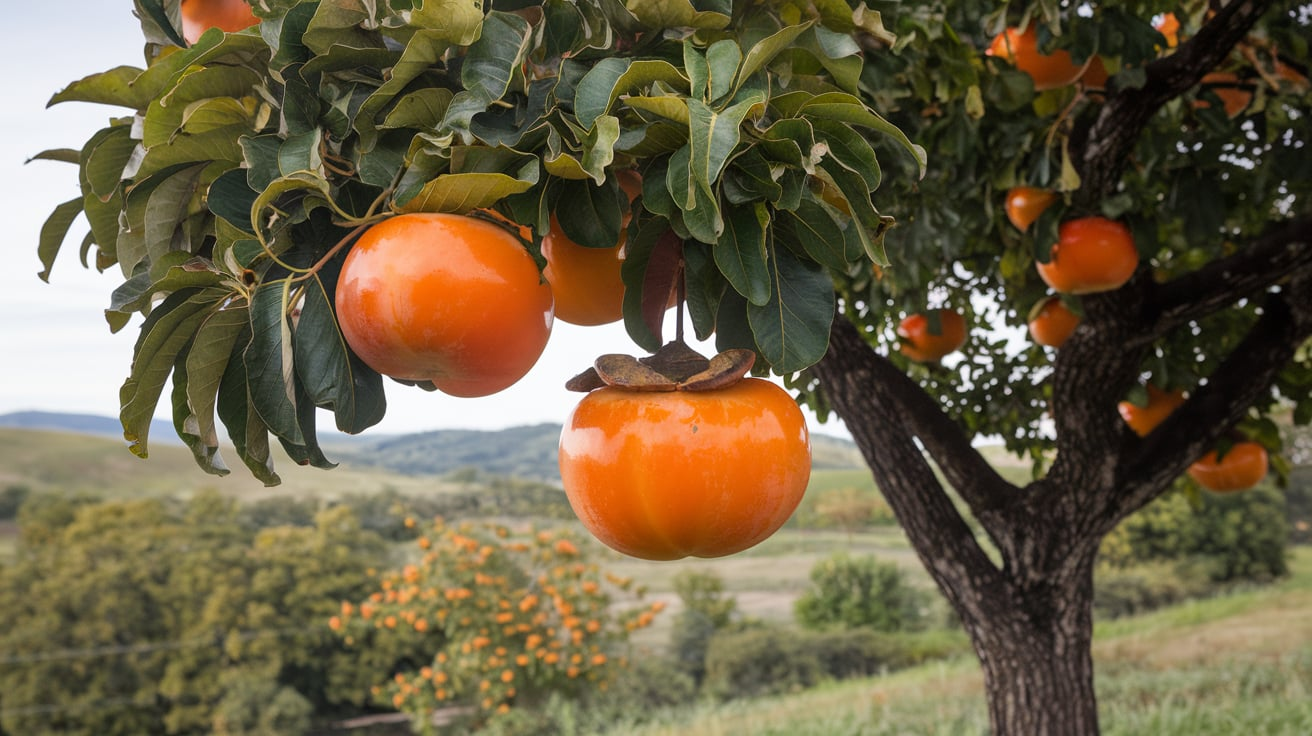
[[1235, 664]]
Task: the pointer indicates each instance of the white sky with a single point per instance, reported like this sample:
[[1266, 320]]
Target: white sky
[[58, 352]]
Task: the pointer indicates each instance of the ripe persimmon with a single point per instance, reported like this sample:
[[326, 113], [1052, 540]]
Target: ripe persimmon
[[1169, 26], [1243, 466], [1023, 205], [1052, 322], [228, 16], [444, 298], [1021, 48], [1091, 254], [1144, 419], [1095, 74], [1235, 94], [586, 281], [919, 343], [665, 475]]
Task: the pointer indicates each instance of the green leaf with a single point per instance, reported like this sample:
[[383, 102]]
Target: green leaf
[[207, 362], [53, 233], [492, 61], [612, 77], [249, 434], [186, 425], [722, 59], [661, 14], [464, 192], [231, 198], [792, 329], [422, 109], [114, 87], [332, 376], [269, 363], [165, 114], [848, 109], [104, 159], [704, 287], [590, 215], [813, 230], [699, 210], [165, 333], [764, 51], [457, 21], [741, 253], [63, 155], [187, 273], [167, 208]]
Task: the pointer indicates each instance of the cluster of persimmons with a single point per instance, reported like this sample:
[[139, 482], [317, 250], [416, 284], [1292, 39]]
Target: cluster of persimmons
[[457, 302]]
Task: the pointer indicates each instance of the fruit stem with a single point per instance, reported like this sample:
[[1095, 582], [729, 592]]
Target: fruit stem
[[680, 296]]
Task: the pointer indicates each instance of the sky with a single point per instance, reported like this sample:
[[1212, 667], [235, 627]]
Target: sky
[[59, 354]]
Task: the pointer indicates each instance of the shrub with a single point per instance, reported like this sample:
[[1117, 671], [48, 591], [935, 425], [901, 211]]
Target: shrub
[[768, 661], [1236, 536], [707, 609], [852, 592], [1125, 591]]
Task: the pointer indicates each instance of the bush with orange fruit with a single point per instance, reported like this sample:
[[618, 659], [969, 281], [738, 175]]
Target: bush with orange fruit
[[513, 616]]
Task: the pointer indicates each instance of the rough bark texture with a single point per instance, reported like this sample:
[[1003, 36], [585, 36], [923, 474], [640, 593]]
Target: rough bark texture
[[1029, 614]]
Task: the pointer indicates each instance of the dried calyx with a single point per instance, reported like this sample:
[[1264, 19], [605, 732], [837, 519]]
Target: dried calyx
[[675, 367]]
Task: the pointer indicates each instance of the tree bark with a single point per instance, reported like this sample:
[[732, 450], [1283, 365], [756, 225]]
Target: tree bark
[[1030, 617]]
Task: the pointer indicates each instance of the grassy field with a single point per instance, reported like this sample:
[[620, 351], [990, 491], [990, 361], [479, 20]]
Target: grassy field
[[1236, 664]]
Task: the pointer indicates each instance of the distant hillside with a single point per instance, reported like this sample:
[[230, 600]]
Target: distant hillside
[[160, 430], [527, 452], [522, 452]]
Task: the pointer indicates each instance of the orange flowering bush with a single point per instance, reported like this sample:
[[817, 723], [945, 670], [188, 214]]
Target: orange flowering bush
[[516, 617]]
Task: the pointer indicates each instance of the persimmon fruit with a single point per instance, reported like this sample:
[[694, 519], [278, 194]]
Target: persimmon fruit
[[1023, 205], [1169, 26], [1095, 74], [1235, 94], [666, 475], [921, 344], [1240, 468], [1144, 419], [1021, 48], [1052, 322], [1092, 254], [586, 281], [445, 298], [228, 16]]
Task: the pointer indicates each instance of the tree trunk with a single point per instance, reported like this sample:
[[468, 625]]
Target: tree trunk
[[1038, 667], [1029, 615]]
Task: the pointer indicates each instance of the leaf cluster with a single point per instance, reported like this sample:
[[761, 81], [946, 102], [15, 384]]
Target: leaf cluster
[[244, 165]]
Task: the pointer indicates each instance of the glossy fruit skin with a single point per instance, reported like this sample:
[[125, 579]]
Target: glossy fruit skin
[[921, 346], [1144, 419], [667, 475], [1243, 467], [1092, 254], [1021, 48], [1053, 323], [444, 298], [229, 16], [586, 281], [1023, 205]]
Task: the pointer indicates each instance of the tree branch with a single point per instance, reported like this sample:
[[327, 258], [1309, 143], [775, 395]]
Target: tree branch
[[871, 396], [1281, 253], [1194, 428], [1107, 144], [966, 470]]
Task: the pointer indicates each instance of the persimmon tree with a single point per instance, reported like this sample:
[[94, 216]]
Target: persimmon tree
[[812, 173]]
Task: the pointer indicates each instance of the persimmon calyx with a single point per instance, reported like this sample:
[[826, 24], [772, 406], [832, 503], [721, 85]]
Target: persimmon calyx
[[675, 367]]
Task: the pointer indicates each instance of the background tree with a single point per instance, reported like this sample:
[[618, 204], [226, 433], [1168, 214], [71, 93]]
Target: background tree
[[707, 609], [771, 180]]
